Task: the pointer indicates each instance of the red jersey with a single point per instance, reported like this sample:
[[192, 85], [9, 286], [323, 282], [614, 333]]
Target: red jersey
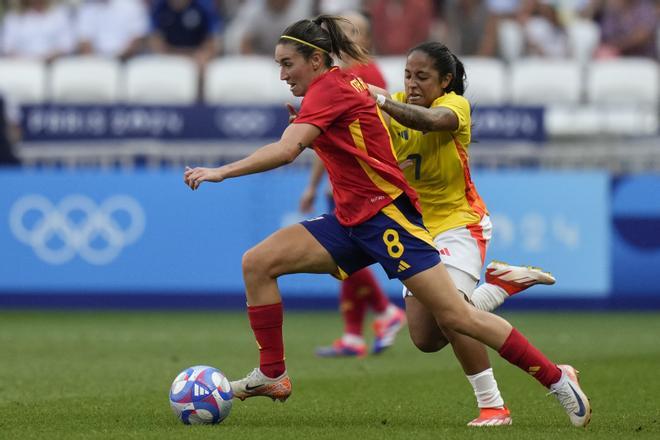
[[369, 73], [355, 147]]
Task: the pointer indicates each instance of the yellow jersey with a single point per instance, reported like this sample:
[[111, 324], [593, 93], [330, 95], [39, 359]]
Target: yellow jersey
[[439, 170]]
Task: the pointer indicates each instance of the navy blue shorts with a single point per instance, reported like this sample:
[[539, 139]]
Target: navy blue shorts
[[395, 238]]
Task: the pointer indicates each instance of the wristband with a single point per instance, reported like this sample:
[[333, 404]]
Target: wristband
[[380, 100]]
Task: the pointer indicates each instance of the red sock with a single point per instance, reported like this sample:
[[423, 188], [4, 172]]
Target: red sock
[[376, 298], [266, 322], [519, 351], [353, 304]]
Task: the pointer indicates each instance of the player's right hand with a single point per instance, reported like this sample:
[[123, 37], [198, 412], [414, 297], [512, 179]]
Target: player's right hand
[[307, 201], [405, 164], [193, 177]]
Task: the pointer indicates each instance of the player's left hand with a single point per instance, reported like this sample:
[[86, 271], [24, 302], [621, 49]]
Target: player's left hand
[[293, 114], [193, 177]]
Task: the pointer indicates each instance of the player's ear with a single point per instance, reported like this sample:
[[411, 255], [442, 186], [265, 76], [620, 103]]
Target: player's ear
[[317, 60], [446, 80]]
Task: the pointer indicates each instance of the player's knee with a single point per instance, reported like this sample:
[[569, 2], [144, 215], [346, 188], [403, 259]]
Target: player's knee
[[458, 322], [254, 262]]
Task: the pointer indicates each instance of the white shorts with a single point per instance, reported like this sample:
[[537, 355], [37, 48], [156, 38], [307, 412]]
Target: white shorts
[[463, 252]]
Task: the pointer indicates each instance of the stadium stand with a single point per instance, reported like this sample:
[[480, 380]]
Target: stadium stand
[[23, 79], [244, 80], [623, 81], [544, 81], [565, 111], [391, 67], [486, 80], [85, 79], [161, 79]]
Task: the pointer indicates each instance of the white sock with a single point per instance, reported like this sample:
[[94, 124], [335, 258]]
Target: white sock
[[351, 339], [488, 297], [485, 389]]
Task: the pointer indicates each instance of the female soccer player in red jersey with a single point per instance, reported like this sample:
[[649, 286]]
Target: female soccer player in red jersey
[[361, 290], [377, 219]]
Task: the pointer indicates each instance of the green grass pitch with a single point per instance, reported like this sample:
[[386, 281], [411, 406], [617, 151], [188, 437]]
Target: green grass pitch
[[107, 375]]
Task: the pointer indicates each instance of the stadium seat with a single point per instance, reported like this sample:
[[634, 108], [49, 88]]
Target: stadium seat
[[245, 80], [539, 81], [510, 40], [393, 68], [629, 81], [486, 80], [566, 121], [23, 79], [85, 79], [161, 79], [583, 38]]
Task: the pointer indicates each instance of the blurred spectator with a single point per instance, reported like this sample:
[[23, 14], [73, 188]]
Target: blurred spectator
[[185, 27], [37, 29], [544, 34], [504, 8], [228, 8], [628, 28], [336, 7], [470, 29], [399, 25], [9, 131], [359, 30], [111, 27], [504, 23], [259, 24]]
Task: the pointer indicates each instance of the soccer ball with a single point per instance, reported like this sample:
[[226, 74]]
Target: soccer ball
[[201, 395]]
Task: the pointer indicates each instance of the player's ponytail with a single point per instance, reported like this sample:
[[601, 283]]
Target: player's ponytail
[[325, 35], [445, 62], [340, 42], [457, 84]]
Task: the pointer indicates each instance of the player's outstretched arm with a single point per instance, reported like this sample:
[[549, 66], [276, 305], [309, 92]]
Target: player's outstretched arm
[[294, 140], [418, 117]]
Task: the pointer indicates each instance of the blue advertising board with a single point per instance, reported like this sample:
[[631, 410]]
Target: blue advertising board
[[60, 122], [508, 123], [636, 235], [52, 122], [88, 232], [559, 221]]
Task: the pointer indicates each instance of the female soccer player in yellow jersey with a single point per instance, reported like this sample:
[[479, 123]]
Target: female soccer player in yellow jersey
[[430, 129]]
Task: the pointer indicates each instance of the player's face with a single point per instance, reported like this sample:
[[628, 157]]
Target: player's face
[[422, 80], [295, 69]]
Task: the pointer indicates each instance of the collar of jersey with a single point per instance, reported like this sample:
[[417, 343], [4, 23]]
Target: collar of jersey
[[323, 75]]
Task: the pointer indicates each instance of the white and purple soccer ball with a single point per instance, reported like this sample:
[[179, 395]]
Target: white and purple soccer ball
[[201, 395]]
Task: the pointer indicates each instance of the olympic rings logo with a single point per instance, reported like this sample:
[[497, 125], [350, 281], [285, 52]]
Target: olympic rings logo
[[77, 226]]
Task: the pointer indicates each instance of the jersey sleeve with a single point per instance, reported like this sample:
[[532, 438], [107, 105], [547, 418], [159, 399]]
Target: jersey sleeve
[[320, 107], [459, 105]]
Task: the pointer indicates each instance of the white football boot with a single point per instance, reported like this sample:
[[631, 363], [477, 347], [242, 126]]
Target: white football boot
[[257, 384], [515, 279], [571, 397]]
